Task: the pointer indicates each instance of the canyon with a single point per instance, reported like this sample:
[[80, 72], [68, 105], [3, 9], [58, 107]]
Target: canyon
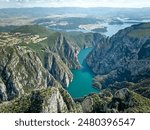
[[34, 75]]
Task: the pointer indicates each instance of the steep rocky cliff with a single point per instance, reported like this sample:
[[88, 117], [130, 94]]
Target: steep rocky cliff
[[55, 52], [34, 67], [123, 57], [58, 51], [21, 71], [26, 86], [58, 68]]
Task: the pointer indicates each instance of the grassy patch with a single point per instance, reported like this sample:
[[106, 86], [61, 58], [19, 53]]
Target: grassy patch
[[140, 33]]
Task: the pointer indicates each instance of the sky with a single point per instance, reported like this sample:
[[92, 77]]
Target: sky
[[74, 3]]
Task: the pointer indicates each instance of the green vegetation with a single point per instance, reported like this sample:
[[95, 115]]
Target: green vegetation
[[68, 100], [119, 101], [80, 38], [33, 29], [55, 42], [145, 25], [19, 105], [97, 105], [142, 87], [28, 103], [140, 31], [7, 28], [141, 104], [42, 47]]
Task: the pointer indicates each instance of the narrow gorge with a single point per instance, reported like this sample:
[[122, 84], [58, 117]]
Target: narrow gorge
[[34, 73], [40, 67]]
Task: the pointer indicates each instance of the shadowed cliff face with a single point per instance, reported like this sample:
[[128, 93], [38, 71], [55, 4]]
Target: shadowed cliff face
[[58, 68], [124, 56]]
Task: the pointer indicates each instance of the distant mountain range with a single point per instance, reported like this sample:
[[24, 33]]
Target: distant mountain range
[[101, 11]]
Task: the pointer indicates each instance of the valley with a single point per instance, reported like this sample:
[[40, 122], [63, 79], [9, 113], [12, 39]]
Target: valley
[[58, 62]]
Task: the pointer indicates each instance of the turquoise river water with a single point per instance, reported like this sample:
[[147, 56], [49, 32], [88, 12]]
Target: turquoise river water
[[82, 78]]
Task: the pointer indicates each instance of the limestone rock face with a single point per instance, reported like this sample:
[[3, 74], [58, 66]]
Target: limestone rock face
[[121, 94], [142, 87], [21, 71], [124, 56], [87, 104], [59, 101], [29, 68], [58, 69], [67, 50], [55, 103]]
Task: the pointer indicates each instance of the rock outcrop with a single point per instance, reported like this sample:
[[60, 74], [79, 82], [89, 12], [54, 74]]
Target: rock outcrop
[[142, 87], [122, 101], [51, 100], [68, 51]]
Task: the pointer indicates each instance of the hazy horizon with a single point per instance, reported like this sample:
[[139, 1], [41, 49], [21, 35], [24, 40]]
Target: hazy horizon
[[75, 3]]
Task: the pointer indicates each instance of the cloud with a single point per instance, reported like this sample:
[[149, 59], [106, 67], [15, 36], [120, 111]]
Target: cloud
[[74, 3]]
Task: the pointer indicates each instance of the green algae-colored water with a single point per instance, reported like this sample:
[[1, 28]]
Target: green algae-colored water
[[82, 78]]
